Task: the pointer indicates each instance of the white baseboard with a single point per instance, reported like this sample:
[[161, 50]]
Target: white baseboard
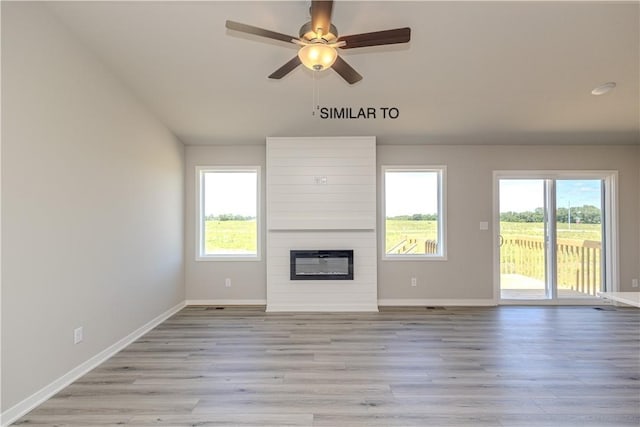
[[226, 302], [272, 308], [23, 407], [393, 302], [567, 301]]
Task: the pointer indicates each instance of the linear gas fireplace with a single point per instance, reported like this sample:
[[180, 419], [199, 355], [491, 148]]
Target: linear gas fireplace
[[322, 264]]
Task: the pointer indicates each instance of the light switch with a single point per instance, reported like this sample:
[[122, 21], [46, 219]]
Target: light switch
[[484, 225]]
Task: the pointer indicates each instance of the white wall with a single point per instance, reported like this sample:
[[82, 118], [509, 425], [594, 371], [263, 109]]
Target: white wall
[[468, 272], [205, 279], [92, 206]]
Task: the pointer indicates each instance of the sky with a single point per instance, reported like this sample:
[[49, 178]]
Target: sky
[[408, 193], [230, 193], [521, 195]]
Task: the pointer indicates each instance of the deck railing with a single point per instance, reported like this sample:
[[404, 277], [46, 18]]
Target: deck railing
[[578, 261], [412, 245]]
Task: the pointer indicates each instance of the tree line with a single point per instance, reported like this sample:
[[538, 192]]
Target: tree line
[[228, 217], [585, 214], [414, 217]]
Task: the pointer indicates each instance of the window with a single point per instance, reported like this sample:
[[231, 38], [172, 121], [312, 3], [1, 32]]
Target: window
[[414, 212], [228, 206]]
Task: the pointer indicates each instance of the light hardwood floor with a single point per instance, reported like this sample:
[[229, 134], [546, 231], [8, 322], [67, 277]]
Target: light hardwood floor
[[499, 366]]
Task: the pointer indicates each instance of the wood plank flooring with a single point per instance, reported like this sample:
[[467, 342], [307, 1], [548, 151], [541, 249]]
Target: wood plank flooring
[[497, 366]]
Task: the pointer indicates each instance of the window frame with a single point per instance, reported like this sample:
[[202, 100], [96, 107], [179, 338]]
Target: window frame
[[441, 255], [200, 172]]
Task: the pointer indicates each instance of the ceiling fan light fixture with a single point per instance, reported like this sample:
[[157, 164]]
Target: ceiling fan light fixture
[[317, 56]]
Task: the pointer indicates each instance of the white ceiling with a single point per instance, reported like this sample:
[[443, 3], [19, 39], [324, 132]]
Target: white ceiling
[[473, 73]]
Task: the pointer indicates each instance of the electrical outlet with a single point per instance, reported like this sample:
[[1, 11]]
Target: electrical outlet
[[227, 282], [414, 281], [78, 335], [634, 283]]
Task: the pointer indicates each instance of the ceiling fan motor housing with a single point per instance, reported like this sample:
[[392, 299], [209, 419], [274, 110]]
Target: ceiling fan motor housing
[[308, 33]]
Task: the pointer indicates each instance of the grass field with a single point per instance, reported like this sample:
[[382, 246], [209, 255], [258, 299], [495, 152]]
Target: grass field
[[525, 259], [400, 230], [240, 236], [536, 229], [230, 237]]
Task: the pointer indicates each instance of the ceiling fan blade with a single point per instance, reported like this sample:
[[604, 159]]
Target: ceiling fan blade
[[250, 29], [321, 15], [377, 38], [286, 68], [346, 71]]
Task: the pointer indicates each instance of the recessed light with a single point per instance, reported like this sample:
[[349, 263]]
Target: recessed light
[[603, 88]]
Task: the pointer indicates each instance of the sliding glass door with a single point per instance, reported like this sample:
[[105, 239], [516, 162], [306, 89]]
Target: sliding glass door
[[552, 235], [523, 231], [579, 237]]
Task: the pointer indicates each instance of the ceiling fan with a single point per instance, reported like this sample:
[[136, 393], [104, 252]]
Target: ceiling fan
[[319, 40]]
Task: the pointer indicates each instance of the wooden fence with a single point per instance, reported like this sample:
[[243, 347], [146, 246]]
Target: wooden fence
[[411, 245], [578, 261]]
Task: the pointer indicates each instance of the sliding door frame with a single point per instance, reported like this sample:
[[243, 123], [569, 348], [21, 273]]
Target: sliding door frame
[[611, 276]]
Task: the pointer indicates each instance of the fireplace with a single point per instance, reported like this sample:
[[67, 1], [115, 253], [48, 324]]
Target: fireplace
[[319, 264]]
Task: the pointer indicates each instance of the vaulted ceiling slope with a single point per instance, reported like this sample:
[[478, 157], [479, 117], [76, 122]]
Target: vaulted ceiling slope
[[473, 73]]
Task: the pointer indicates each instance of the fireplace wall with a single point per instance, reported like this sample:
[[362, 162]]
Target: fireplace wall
[[321, 194]]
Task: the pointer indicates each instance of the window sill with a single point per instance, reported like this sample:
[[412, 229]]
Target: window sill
[[386, 257], [225, 258]]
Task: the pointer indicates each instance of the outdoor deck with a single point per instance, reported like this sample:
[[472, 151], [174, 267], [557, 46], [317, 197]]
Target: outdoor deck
[[519, 287]]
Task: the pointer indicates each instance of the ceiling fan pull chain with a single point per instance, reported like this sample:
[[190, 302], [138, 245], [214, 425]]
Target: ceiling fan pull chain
[[318, 91], [315, 95]]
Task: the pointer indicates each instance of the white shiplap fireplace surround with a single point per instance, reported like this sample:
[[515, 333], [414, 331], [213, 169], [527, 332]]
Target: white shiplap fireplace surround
[[321, 194]]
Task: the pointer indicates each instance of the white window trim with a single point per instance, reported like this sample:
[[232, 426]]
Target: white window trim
[[199, 229], [442, 222]]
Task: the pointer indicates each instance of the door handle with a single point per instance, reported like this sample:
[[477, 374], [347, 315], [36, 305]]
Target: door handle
[[501, 239]]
